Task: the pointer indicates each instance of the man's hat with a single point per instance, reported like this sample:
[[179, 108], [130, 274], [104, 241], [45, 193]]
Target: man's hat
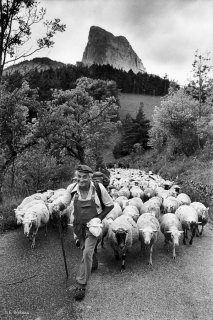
[[97, 174], [83, 168]]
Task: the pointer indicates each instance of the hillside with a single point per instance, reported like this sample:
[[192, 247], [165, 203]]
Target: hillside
[[130, 103]]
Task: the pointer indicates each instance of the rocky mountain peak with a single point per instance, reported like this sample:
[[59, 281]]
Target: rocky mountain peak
[[105, 48]]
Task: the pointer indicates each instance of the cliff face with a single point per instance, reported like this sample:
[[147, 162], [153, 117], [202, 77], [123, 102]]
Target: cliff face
[[104, 48]]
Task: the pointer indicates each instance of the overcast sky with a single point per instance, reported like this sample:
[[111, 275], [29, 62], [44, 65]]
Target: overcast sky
[[164, 33]]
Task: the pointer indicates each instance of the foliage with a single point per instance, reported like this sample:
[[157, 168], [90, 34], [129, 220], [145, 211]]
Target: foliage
[[16, 132], [134, 132], [65, 78], [201, 82], [177, 126], [17, 18], [74, 124]]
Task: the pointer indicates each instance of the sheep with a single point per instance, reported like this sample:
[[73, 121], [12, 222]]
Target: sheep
[[137, 202], [203, 213], [183, 199], [132, 211], [148, 227], [122, 234], [124, 191], [189, 221], [112, 215], [148, 193], [121, 201], [171, 228], [136, 191], [151, 207], [19, 213], [35, 217], [170, 205], [34, 197]]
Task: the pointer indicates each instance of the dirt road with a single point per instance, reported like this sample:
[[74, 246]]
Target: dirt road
[[33, 283]]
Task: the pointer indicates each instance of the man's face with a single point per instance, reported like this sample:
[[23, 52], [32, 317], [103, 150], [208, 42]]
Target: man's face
[[83, 179]]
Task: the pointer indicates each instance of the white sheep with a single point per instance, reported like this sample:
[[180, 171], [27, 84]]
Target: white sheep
[[203, 213], [35, 217], [28, 201], [122, 234], [137, 202], [136, 191], [189, 221], [170, 205], [183, 199], [131, 211], [171, 228], [111, 216], [121, 201], [20, 211], [151, 207], [124, 191], [148, 227]]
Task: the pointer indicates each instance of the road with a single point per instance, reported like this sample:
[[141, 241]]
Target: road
[[33, 284]]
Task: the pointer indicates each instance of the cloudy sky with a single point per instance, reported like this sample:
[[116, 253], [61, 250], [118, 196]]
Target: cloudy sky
[[164, 33]]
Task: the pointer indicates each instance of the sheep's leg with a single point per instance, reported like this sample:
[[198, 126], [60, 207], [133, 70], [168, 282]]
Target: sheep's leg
[[192, 236], [166, 242], [33, 239], [45, 230], [184, 236], [202, 227], [116, 254], [150, 255], [173, 252], [123, 261]]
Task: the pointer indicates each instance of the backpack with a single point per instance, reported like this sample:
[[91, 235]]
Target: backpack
[[97, 189]]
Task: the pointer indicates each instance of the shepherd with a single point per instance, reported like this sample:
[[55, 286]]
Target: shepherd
[[91, 203]]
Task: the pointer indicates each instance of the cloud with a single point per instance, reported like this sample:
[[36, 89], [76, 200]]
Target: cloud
[[164, 33]]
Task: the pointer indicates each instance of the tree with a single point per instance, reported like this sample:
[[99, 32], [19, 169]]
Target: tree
[[134, 132], [74, 124], [16, 132], [176, 124], [201, 83], [16, 20]]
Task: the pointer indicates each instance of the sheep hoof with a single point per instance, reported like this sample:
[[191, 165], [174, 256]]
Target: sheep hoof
[[201, 233], [184, 242], [174, 257], [190, 242], [122, 269], [197, 235]]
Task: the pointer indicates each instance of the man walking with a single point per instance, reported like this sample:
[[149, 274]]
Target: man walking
[[87, 206]]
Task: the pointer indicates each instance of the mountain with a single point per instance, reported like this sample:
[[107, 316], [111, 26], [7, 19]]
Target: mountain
[[40, 64], [105, 48]]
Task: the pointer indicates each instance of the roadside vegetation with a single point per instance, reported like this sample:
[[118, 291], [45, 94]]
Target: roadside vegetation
[[41, 141]]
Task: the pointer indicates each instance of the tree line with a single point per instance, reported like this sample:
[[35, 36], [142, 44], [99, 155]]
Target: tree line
[[65, 78]]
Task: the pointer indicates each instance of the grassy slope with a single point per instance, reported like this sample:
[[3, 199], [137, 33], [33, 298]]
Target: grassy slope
[[130, 103]]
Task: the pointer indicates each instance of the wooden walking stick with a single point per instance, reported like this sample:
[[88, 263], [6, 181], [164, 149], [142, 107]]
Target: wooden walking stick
[[62, 245]]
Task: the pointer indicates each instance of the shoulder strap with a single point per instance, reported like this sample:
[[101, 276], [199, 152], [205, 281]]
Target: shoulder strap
[[98, 190], [73, 192]]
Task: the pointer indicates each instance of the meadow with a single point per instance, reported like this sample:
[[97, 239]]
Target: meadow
[[130, 103]]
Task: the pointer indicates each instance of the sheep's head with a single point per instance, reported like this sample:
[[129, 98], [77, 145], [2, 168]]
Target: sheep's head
[[175, 235], [121, 237], [28, 226], [148, 235]]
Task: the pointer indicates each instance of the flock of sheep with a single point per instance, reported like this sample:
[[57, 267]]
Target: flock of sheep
[[144, 205]]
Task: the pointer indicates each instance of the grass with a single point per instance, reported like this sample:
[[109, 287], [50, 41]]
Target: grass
[[130, 103]]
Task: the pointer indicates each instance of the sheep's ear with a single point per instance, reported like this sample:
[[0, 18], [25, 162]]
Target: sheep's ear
[[168, 231], [140, 229], [181, 231], [155, 230], [207, 209], [21, 218], [197, 223], [113, 230]]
